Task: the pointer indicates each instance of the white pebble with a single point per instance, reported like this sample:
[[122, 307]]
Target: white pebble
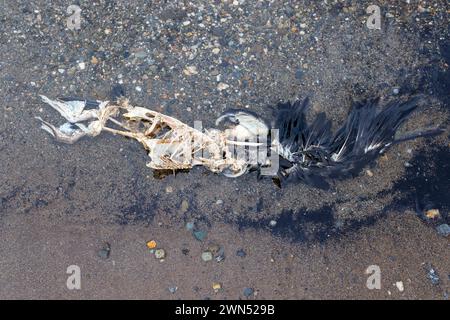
[[222, 86], [399, 285], [190, 70]]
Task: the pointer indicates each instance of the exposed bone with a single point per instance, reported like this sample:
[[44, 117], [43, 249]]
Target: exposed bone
[[171, 144]]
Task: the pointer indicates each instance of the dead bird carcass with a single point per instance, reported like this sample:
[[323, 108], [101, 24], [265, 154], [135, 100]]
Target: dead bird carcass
[[287, 148]]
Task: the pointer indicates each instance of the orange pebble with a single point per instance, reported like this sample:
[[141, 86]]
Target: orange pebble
[[151, 244]]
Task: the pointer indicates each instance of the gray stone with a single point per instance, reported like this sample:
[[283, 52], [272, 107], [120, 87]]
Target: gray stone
[[241, 253], [248, 292], [299, 74], [443, 230], [105, 251]]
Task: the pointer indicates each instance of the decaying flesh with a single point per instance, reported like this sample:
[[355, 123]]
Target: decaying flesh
[[171, 144]]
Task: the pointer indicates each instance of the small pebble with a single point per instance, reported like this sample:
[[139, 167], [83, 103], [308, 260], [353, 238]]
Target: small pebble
[[241, 253], [222, 86], [184, 206], [396, 91], [216, 50], [216, 287], [151, 244], [443, 230], [214, 249], [190, 70], [272, 223], [199, 235], [220, 256], [219, 202], [207, 256], [189, 226], [399, 285], [138, 88], [160, 254], [369, 173], [82, 65], [140, 54], [105, 251], [169, 189], [173, 289], [248, 292], [433, 276]]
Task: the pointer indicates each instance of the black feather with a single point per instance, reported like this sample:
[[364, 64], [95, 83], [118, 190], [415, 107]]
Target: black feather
[[88, 103], [316, 155]]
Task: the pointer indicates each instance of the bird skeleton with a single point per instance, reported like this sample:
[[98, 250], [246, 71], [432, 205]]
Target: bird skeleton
[[288, 148], [171, 144]]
